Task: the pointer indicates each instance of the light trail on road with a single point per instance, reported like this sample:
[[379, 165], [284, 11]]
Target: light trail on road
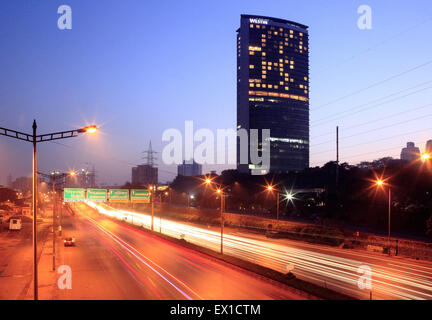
[[140, 265], [337, 269]]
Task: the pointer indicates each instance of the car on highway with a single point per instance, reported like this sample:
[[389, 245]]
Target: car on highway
[[69, 242]]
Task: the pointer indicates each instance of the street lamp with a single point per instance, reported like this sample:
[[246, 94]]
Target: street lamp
[[381, 183], [53, 176], [220, 192], [35, 139], [271, 188], [425, 156]]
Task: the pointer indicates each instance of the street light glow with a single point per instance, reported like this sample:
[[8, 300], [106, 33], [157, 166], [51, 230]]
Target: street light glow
[[270, 188], [425, 156], [88, 129], [380, 182]]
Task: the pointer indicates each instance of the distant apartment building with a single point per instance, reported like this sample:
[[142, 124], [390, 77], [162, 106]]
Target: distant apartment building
[[410, 153], [145, 175], [189, 169], [82, 179], [428, 146], [22, 184]]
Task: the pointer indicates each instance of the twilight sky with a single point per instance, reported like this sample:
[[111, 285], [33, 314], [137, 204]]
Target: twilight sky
[[138, 68]]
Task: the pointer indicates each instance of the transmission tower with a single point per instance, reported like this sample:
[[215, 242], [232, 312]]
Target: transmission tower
[[150, 158]]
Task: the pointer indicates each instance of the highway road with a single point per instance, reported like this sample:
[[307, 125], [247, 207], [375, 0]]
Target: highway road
[[335, 268], [112, 260]]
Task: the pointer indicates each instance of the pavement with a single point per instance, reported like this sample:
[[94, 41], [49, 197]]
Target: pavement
[[112, 260], [16, 260]]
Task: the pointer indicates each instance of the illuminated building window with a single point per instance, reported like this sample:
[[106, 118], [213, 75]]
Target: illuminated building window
[[270, 63], [258, 26], [280, 52], [263, 62], [251, 53], [291, 80], [252, 48], [264, 76], [251, 84], [286, 88], [270, 86], [269, 68], [281, 74], [275, 33], [281, 83], [258, 85], [276, 86], [306, 91], [251, 25], [264, 85], [301, 86], [301, 34], [286, 79], [305, 78], [291, 36], [251, 66], [291, 31], [264, 71], [291, 67], [263, 54]]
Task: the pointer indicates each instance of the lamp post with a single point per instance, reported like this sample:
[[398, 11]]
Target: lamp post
[[35, 139], [381, 183], [220, 192], [271, 188], [53, 177]]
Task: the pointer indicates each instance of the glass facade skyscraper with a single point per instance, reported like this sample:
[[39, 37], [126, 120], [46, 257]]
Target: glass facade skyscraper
[[273, 88]]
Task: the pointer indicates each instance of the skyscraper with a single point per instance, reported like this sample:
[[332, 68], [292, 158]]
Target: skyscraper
[[273, 88], [189, 169], [410, 153], [428, 146]]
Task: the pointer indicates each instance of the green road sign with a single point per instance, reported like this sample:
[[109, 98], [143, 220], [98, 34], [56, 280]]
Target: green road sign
[[118, 195], [98, 195], [140, 196], [74, 194]]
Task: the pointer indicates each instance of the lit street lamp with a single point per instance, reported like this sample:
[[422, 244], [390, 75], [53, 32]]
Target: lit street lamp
[[425, 157], [220, 192], [35, 139], [380, 183], [53, 177], [271, 188]]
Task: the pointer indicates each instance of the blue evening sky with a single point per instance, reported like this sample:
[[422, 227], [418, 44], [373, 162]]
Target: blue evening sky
[[141, 67]]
